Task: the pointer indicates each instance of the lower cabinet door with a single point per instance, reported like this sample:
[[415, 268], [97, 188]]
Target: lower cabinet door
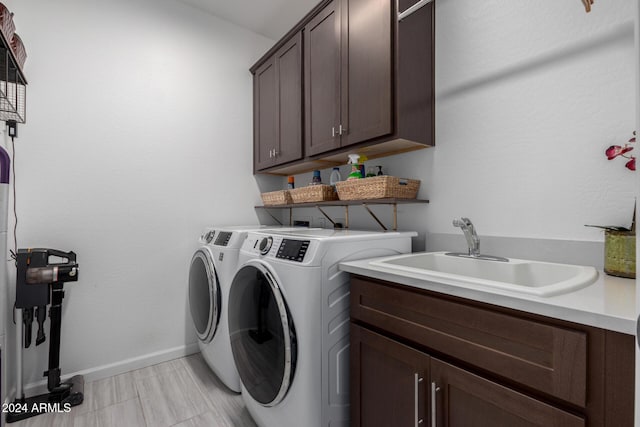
[[463, 399], [388, 382]]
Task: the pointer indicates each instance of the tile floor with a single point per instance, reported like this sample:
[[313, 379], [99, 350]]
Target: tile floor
[[181, 393]]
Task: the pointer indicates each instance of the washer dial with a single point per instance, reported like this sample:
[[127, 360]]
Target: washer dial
[[265, 245]]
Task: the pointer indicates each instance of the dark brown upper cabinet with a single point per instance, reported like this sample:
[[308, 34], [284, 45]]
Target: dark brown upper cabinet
[[348, 74], [322, 72], [277, 92], [368, 84]]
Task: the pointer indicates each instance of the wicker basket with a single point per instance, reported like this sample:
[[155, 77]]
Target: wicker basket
[[313, 193], [7, 25], [18, 49], [281, 197], [378, 187]]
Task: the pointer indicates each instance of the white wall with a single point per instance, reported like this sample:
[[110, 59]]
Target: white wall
[[528, 97], [138, 135]]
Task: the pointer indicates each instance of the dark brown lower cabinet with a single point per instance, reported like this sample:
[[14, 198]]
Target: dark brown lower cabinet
[[390, 379], [467, 400], [419, 358], [395, 383]]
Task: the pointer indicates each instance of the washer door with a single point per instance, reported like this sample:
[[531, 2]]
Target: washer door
[[204, 295], [263, 338]]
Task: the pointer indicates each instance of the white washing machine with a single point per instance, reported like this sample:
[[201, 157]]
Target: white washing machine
[[289, 322], [211, 271]]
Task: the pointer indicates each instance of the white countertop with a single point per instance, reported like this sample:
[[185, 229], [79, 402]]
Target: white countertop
[[609, 303]]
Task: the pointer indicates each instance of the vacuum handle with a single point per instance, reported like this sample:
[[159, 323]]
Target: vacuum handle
[[70, 256]]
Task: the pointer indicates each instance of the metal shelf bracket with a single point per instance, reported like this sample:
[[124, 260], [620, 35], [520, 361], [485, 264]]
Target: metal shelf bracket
[[326, 216], [375, 217], [274, 217]]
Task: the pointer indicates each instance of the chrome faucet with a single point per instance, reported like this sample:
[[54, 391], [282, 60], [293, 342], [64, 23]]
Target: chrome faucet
[[473, 241]]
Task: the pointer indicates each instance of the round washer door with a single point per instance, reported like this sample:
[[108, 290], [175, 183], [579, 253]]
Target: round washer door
[[204, 295], [263, 337]]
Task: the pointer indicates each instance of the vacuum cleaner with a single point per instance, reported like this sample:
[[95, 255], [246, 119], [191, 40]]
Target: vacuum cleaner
[[39, 283]]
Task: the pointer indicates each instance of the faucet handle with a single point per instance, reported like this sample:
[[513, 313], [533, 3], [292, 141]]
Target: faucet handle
[[459, 222], [470, 234]]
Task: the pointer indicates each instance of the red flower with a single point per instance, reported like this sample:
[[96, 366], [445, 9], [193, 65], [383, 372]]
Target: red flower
[[631, 164], [621, 151], [616, 150]]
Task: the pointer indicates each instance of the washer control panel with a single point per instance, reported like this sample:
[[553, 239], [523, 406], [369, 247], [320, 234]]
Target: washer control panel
[[293, 250], [281, 247]]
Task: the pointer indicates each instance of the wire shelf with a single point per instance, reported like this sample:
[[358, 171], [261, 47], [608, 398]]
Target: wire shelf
[[13, 101], [13, 86]]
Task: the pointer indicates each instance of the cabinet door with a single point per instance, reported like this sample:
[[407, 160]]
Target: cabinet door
[[289, 98], [322, 68], [388, 381], [467, 400], [265, 121], [367, 59]]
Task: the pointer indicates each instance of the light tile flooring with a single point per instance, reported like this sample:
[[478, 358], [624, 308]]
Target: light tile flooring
[[181, 393]]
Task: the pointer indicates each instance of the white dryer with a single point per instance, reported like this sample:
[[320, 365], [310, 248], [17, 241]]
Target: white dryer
[[210, 265], [289, 322], [212, 268]]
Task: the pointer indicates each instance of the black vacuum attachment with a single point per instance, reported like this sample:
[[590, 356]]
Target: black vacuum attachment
[[39, 283]]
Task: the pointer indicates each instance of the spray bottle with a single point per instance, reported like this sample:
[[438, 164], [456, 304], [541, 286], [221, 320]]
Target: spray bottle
[[355, 167]]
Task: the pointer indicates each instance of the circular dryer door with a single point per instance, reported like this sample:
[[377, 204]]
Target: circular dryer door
[[204, 295], [263, 338]]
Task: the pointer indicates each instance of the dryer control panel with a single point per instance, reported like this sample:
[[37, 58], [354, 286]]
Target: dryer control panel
[[293, 250], [223, 238]]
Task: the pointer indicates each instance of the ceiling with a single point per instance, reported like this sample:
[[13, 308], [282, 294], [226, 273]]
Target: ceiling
[[271, 18]]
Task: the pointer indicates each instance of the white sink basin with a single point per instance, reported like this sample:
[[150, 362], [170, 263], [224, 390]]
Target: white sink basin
[[529, 277]]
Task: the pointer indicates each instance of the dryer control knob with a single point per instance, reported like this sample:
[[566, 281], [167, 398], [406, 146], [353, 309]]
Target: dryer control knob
[[265, 245], [208, 237]]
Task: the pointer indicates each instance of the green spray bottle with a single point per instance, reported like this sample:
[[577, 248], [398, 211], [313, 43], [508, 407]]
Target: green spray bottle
[[355, 167]]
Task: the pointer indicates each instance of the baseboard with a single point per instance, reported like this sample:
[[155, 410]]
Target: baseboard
[[105, 371]]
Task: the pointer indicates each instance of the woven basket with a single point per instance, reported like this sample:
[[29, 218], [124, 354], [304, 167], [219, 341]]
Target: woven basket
[[281, 197], [6, 23], [18, 49], [378, 187], [313, 193]]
